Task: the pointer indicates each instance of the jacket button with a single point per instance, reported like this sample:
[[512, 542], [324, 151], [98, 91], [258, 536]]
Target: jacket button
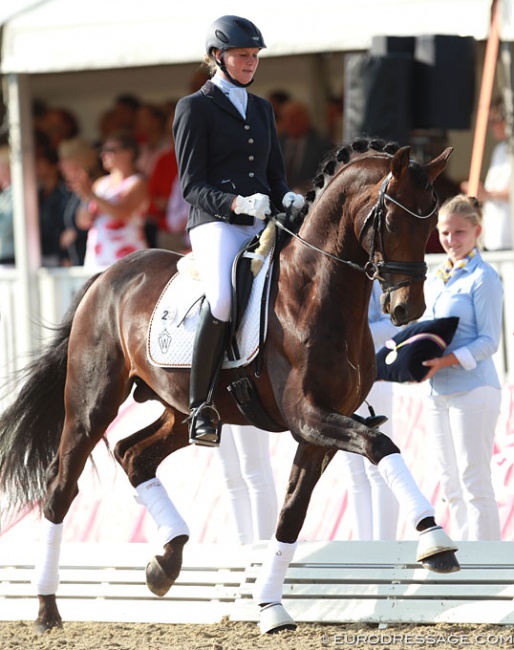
[[250, 140], [251, 157], [251, 174], [247, 127]]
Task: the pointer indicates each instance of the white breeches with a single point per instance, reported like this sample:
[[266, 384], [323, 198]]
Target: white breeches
[[460, 429], [373, 506], [245, 461], [215, 246]]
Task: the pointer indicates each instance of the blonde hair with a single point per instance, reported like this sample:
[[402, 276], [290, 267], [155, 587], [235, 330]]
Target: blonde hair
[[467, 207], [79, 150], [210, 63], [5, 154]]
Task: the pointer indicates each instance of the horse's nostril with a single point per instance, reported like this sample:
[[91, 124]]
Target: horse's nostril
[[399, 315]]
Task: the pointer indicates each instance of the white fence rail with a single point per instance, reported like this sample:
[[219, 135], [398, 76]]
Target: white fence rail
[[327, 582], [56, 287]]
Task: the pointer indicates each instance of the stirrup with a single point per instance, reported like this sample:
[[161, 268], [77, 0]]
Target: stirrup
[[207, 439], [372, 421]]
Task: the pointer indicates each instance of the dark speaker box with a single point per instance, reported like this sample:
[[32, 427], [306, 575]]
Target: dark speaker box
[[386, 45], [378, 92], [444, 82]]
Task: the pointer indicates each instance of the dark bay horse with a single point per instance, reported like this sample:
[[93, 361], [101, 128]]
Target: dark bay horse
[[369, 216]]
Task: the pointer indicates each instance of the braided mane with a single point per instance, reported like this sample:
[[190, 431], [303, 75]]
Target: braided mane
[[331, 164]]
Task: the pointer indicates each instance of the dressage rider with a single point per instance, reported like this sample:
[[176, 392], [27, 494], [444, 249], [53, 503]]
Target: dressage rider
[[232, 175]]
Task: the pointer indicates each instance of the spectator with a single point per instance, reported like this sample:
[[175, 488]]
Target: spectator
[[6, 208], [278, 98], [60, 124], [167, 207], [303, 146], [53, 197], [113, 206], [463, 392], [150, 132], [75, 157], [494, 194], [125, 112]]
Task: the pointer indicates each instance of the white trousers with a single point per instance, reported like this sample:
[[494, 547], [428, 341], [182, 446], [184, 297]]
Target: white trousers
[[373, 506], [245, 461], [215, 246], [460, 430]]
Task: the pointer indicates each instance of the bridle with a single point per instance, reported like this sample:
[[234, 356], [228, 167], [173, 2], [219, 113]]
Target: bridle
[[376, 220]]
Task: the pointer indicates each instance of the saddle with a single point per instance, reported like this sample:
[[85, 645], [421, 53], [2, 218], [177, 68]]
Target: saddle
[[246, 265]]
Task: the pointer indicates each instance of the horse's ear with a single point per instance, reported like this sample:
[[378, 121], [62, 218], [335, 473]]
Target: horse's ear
[[400, 162], [436, 166]]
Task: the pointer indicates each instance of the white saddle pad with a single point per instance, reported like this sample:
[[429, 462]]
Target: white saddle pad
[[172, 327]]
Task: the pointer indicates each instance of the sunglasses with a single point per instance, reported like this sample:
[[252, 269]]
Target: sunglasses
[[111, 149]]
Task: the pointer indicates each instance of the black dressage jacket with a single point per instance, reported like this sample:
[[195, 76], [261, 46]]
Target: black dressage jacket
[[220, 154]]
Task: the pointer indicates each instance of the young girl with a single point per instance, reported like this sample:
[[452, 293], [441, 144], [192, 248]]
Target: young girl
[[464, 399]]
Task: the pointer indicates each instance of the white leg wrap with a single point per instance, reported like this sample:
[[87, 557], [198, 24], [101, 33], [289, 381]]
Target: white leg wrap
[[269, 584], [154, 497], [46, 571], [398, 477]]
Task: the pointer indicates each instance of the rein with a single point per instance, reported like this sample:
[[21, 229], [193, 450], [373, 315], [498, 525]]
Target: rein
[[375, 218]]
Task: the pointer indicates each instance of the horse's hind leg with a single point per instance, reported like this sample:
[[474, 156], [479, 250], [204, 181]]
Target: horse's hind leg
[[90, 407], [140, 455]]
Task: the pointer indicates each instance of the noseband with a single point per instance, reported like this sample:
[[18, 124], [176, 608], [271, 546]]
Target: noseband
[[376, 219]]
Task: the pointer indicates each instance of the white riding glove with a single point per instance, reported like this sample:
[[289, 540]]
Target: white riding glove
[[256, 205], [294, 200]]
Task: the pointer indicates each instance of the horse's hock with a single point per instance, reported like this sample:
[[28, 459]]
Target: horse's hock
[[327, 582]]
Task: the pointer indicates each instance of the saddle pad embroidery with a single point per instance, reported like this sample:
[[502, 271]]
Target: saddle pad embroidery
[[172, 326]]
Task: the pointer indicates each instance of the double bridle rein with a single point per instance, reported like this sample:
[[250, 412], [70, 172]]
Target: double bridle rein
[[376, 220]]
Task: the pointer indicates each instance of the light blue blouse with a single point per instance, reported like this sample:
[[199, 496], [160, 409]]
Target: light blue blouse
[[380, 324], [475, 295]]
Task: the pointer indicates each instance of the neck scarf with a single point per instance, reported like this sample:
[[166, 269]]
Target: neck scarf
[[238, 96], [448, 269]]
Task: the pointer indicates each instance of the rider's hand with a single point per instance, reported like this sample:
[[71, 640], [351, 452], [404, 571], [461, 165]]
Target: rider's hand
[[257, 205], [291, 199]]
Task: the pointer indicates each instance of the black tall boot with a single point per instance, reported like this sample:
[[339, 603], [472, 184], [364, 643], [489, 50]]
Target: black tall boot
[[208, 350]]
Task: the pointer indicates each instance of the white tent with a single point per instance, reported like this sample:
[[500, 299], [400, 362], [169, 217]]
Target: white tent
[[52, 36], [63, 35]]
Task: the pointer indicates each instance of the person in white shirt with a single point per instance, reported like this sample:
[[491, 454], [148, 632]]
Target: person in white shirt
[[494, 193]]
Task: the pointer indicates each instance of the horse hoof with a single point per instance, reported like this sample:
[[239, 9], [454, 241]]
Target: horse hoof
[[444, 562], [274, 618], [436, 551], [157, 579], [433, 540], [40, 627]]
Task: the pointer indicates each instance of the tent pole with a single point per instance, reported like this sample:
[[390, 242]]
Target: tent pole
[[26, 219], [484, 102]]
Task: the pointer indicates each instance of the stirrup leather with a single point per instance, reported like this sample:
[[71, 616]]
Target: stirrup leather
[[211, 439]]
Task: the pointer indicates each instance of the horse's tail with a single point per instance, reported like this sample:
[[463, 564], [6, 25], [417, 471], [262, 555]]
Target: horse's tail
[[31, 427]]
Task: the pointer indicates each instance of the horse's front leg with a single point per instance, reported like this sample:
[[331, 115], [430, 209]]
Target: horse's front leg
[[140, 455], [309, 464], [436, 551]]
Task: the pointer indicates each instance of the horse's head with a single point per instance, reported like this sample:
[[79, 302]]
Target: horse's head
[[396, 231]]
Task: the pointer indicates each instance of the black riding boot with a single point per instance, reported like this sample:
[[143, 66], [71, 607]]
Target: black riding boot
[[208, 352]]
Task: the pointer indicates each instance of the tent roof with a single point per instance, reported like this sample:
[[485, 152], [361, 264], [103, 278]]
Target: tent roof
[[67, 35]]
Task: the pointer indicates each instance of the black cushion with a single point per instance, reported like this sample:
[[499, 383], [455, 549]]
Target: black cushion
[[402, 356]]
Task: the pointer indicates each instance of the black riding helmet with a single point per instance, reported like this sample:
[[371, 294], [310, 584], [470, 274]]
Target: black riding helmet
[[229, 32]]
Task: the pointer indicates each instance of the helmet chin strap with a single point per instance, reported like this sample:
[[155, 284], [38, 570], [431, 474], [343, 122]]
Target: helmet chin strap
[[223, 68]]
